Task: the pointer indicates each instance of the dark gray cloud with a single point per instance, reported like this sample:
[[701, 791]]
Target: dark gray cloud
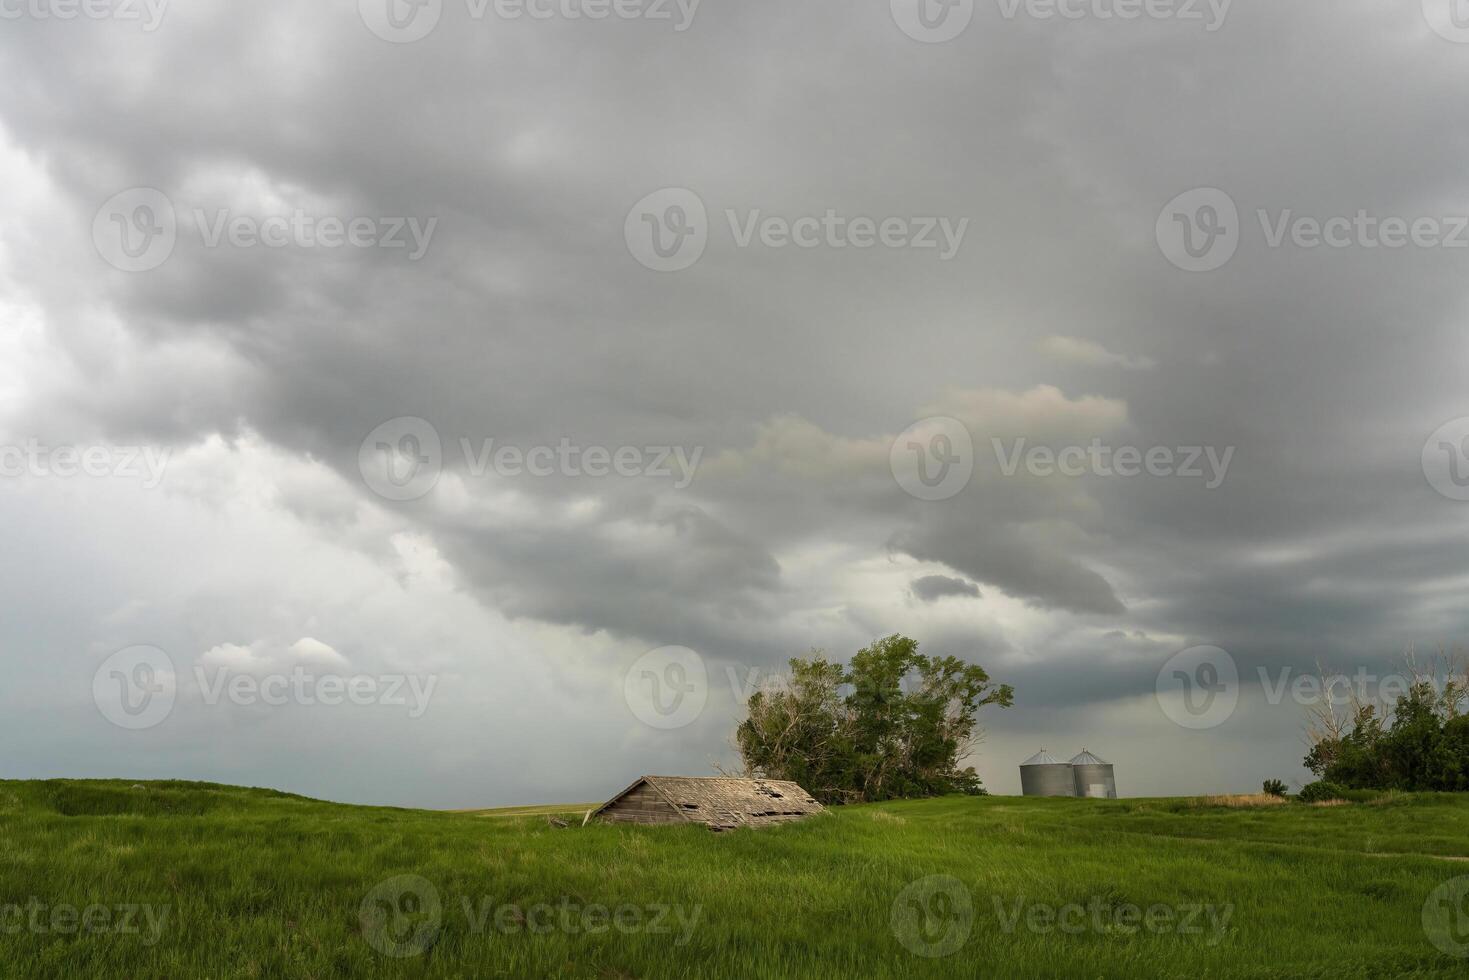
[[932, 588], [528, 321]]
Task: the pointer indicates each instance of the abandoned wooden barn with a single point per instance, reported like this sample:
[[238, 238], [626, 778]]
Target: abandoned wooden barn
[[720, 803]]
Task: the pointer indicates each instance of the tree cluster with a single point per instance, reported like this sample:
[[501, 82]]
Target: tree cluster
[[1420, 744], [892, 724]]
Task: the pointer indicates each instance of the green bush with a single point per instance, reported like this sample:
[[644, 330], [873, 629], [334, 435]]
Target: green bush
[[1321, 791], [1274, 787]]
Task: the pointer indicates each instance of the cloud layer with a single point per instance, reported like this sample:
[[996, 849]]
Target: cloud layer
[[800, 373]]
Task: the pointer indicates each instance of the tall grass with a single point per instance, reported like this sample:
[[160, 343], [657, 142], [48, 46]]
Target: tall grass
[[264, 884]]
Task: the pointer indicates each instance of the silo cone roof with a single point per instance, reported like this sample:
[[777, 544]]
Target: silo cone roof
[[1087, 759], [1043, 758]]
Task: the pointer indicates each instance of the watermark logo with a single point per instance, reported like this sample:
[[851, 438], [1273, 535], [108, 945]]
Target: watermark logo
[[1199, 230], [135, 688], [1198, 688], [401, 917], [1448, 18], [401, 21], [1446, 917], [667, 688], [401, 459], [136, 230], [933, 916], [933, 21], [148, 13], [1446, 459], [933, 459], [668, 230]]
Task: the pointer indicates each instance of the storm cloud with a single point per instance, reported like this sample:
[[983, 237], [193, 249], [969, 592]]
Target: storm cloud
[[808, 153]]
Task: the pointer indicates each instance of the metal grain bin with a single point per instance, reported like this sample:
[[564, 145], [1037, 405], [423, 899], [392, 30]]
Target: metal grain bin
[[1045, 775], [1093, 777]]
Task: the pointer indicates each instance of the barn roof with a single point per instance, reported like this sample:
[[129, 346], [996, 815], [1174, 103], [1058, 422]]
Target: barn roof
[[724, 802]]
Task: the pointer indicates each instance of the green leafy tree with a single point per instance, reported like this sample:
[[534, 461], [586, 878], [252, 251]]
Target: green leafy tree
[[892, 724]]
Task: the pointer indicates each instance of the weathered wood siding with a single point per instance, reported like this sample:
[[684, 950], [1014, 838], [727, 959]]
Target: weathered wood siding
[[641, 805]]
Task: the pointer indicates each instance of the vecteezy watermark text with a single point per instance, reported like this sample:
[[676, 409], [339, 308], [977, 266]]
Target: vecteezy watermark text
[[934, 460], [41, 918], [137, 230], [148, 13], [670, 687], [934, 916], [32, 458], [1200, 688], [668, 231], [406, 21], [572, 917], [1186, 462], [403, 458], [137, 688], [1102, 916], [306, 687], [937, 21], [1210, 13], [1200, 230], [403, 916]]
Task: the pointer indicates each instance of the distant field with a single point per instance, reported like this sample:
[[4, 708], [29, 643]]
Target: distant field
[[186, 880], [545, 809]]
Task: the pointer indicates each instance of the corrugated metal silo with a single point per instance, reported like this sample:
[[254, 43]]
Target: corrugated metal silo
[[1045, 775], [1094, 778]]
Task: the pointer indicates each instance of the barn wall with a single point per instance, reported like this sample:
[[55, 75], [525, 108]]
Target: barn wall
[[641, 805]]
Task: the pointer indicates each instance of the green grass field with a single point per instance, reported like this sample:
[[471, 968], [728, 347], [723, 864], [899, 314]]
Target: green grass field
[[186, 880]]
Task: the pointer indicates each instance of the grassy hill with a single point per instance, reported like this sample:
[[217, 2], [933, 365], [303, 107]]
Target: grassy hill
[[191, 880]]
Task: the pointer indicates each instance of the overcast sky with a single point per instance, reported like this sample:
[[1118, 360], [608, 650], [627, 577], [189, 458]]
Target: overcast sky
[[273, 268]]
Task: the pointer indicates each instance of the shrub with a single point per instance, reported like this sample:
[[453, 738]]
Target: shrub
[[1274, 787], [1322, 791]]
